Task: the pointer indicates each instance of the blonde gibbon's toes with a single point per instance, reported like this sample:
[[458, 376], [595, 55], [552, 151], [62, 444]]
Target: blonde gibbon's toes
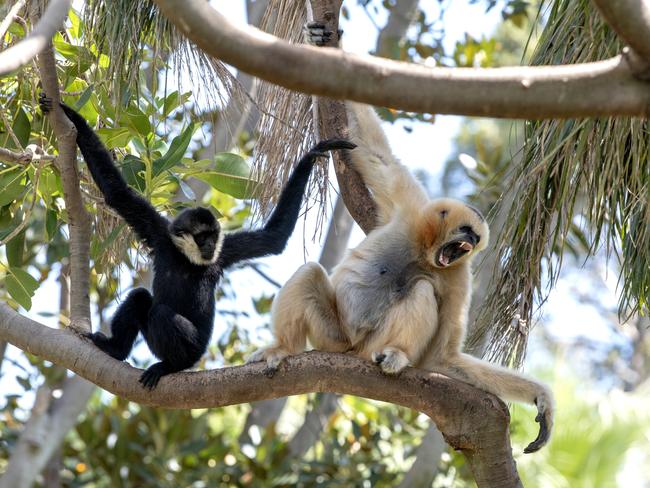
[[256, 357], [545, 407], [273, 357], [390, 360]]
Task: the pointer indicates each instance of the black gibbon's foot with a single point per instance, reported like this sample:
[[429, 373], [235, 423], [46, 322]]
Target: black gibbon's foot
[[107, 345], [45, 103], [151, 376]]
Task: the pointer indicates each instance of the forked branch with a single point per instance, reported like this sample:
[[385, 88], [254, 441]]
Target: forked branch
[[631, 21]]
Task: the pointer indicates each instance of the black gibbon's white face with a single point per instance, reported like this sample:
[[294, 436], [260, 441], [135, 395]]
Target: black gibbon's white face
[[197, 234], [454, 231]]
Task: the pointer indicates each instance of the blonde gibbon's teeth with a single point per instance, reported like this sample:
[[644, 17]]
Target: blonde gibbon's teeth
[[466, 246]]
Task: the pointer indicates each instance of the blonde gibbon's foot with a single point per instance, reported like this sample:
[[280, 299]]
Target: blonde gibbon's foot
[[544, 403], [390, 360], [273, 357]]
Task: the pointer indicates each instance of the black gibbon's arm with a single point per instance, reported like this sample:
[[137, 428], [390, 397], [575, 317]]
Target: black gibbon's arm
[[273, 237], [136, 211]]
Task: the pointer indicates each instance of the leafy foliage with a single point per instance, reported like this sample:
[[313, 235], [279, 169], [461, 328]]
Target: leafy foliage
[[592, 174], [137, 130]]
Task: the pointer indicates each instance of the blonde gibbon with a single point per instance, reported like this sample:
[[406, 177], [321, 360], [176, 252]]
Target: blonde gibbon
[[401, 297]]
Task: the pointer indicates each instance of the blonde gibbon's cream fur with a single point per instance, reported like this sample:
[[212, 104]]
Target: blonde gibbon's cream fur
[[401, 297]]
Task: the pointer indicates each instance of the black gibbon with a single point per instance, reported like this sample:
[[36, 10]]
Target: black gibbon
[[190, 254], [402, 296]]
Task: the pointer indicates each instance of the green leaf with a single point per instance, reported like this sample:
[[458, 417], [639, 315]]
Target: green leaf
[[22, 127], [132, 169], [51, 223], [175, 152], [85, 96], [231, 175], [171, 103], [21, 286], [185, 188], [12, 184], [15, 249], [138, 121], [76, 24], [119, 137]]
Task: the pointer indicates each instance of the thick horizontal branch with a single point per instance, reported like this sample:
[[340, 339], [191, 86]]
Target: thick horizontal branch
[[631, 21], [471, 420], [23, 52], [591, 89]]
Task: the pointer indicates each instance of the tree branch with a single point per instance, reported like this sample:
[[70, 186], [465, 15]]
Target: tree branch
[[471, 420], [584, 90], [331, 121], [631, 21], [31, 153], [78, 217], [23, 52]]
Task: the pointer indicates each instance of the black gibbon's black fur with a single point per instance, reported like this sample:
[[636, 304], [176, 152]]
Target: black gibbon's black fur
[[189, 256]]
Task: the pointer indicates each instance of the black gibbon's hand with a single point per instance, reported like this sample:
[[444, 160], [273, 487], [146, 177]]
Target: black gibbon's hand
[[273, 237], [45, 103], [317, 34]]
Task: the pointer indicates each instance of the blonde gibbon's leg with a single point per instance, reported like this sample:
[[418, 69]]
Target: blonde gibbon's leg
[[391, 183], [305, 308], [407, 331], [504, 383]]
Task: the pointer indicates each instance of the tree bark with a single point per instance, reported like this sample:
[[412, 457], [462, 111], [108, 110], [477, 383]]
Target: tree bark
[[78, 217], [473, 421], [331, 122], [584, 90]]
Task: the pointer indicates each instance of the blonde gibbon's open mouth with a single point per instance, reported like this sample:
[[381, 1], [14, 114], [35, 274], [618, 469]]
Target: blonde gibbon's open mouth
[[453, 251]]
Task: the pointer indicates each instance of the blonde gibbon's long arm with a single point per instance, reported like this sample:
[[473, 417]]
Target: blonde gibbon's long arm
[[391, 183], [506, 384]]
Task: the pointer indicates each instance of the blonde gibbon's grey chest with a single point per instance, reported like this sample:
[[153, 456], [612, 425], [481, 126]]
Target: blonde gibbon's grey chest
[[374, 277]]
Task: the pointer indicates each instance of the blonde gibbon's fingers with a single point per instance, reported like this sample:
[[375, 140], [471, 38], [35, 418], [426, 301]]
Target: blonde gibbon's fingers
[[506, 384]]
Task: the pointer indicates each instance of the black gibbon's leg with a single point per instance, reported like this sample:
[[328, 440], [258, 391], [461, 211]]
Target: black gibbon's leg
[[173, 339], [130, 318]]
